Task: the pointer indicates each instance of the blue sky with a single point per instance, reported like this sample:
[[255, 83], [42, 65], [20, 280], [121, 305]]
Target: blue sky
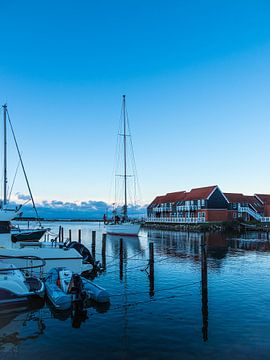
[[195, 73]]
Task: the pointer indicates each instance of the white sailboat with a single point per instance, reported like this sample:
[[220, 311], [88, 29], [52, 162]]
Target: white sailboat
[[7, 213], [123, 225], [52, 253]]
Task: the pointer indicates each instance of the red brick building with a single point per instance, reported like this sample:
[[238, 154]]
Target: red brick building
[[208, 204]]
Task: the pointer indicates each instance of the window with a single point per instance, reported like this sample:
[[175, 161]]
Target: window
[[203, 214], [203, 202]]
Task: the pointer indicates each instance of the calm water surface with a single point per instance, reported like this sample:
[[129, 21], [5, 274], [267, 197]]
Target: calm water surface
[[202, 302]]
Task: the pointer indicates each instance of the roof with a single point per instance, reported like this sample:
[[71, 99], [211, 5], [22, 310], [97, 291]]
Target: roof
[[244, 199], [264, 198], [200, 193]]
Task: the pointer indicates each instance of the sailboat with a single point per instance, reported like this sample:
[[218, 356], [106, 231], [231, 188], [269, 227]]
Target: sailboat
[[123, 225], [8, 214]]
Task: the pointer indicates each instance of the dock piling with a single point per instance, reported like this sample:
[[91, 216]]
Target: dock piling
[[94, 244], [79, 236], [104, 251], [69, 232]]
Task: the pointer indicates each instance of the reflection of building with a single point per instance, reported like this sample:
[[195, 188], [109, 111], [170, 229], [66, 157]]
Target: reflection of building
[[208, 204]]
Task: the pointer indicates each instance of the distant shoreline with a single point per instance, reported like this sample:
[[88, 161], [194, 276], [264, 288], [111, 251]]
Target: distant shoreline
[[58, 220]]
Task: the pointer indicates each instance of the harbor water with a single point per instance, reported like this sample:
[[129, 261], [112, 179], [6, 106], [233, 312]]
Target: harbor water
[[205, 296]]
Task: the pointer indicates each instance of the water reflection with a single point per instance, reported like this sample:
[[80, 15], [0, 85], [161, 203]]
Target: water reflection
[[19, 324]]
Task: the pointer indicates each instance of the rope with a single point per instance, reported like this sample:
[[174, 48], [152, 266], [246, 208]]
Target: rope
[[26, 179], [160, 290]]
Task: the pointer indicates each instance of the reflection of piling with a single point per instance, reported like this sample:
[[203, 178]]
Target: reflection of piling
[[151, 270], [204, 285], [94, 244], [69, 236], [121, 258], [103, 251], [79, 236]]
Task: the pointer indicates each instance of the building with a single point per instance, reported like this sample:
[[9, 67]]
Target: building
[[208, 204]]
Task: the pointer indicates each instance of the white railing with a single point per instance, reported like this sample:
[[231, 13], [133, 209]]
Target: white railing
[[175, 220], [265, 219], [251, 212]]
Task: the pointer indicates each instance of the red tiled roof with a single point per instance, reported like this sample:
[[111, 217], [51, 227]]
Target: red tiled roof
[[200, 193], [234, 197], [244, 199], [174, 196], [265, 198], [157, 200]]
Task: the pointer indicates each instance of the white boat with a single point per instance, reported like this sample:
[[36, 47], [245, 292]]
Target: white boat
[[123, 225], [54, 254], [15, 287], [63, 288], [123, 229]]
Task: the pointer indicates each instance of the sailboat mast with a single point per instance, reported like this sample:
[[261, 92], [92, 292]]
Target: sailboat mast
[[125, 157], [5, 155]]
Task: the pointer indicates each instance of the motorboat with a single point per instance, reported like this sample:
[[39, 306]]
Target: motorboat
[[17, 286], [64, 288]]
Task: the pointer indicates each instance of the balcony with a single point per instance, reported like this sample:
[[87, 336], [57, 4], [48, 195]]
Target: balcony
[[175, 220]]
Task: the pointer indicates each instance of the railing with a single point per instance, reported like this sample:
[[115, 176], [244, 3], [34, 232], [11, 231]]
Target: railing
[[265, 219], [175, 220], [251, 212]]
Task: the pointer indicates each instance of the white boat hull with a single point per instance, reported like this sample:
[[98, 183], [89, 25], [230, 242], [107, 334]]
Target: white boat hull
[[127, 229]]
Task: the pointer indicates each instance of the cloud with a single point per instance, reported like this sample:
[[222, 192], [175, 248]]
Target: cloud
[[21, 196], [56, 209]]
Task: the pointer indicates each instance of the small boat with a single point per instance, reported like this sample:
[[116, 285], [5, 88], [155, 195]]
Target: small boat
[[122, 225], [64, 288], [16, 287]]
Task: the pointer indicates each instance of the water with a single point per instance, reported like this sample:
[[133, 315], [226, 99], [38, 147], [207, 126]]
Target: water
[[171, 315]]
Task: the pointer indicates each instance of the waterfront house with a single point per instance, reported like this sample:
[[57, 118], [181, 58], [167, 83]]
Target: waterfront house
[[208, 204]]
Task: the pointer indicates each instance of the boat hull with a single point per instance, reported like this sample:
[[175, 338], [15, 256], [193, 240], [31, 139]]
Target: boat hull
[[27, 235], [125, 229]]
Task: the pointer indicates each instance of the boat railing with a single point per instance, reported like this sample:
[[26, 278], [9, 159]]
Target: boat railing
[[27, 267]]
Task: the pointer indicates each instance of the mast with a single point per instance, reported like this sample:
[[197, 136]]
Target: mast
[[125, 158], [5, 155]]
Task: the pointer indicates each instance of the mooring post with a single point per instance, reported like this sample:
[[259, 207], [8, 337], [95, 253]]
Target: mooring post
[[151, 270], [94, 244], [79, 236], [62, 234], [121, 258], [104, 251], [204, 285], [59, 233], [69, 234]]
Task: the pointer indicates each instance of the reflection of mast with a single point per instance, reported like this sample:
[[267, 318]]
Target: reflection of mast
[[204, 286], [125, 157]]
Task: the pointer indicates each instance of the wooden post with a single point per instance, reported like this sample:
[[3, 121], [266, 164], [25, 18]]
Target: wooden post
[[69, 234], [79, 236], [104, 251], [59, 233], [62, 234], [94, 244], [121, 258], [204, 284], [151, 270]]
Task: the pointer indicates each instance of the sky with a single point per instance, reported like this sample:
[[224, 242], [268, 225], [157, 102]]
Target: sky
[[196, 78]]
